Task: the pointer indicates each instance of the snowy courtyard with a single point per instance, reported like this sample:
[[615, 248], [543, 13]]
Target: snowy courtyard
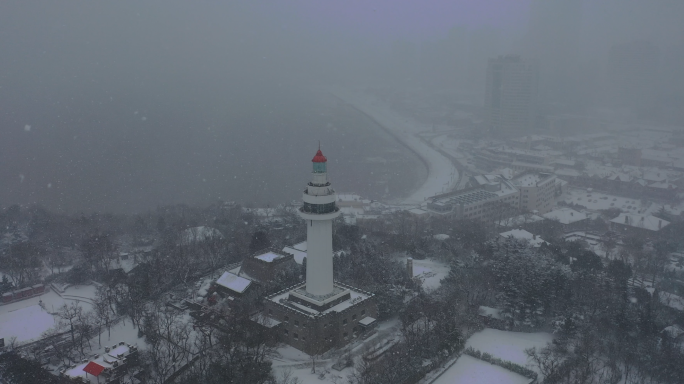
[[430, 272], [25, 324], [468, 370], [504, 345], [13, 315]]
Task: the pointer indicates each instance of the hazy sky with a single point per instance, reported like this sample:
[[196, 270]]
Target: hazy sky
[[82, 75], [391, 19]]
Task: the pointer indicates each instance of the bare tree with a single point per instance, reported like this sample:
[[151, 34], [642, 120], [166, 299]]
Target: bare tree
[[20, 263], [99, 249], [103, 313], [168, 339]]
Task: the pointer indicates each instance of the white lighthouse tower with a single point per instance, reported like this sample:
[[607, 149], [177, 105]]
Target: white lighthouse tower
[[319, 210], [320, 313]]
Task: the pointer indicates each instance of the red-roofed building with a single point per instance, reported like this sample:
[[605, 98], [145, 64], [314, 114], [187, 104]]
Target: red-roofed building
[[93, 368]]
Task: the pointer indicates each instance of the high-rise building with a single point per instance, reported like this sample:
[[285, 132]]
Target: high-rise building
[[511, 96], [320, 313]]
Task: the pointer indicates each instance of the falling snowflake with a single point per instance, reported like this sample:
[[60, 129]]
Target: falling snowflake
[[144, 118], [21, 178], [49, 185], [27, 127]]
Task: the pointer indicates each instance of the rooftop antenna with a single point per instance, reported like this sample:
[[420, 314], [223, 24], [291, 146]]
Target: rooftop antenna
[[319, 145]]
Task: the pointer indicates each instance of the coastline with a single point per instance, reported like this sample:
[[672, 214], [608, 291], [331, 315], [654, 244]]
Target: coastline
[[442, 174]]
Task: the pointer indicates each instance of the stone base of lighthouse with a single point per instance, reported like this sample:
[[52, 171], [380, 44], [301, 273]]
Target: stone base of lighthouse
[[317, 324]]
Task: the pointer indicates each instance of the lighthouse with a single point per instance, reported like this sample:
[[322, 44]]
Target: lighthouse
[[318, 211], [320, 313]]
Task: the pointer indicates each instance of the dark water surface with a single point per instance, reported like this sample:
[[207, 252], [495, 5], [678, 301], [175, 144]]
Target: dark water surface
[[124, 151]]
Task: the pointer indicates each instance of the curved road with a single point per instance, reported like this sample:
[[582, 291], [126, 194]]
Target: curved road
[[442, 174]]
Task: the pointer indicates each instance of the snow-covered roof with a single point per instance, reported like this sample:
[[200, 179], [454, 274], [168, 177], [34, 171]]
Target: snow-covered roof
[[506, 173], [649, 222], [528, 180], [300, 246], [298, 251], [366, 321], [233, 282], [298, 255], [522, 234], [565, 215], [663, 185], [567, 172], [654, 175], [264, 320], [623, 177], [269, 257], [355, 297]]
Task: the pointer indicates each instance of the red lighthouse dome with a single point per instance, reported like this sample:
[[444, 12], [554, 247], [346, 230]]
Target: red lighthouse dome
[[319, 158]]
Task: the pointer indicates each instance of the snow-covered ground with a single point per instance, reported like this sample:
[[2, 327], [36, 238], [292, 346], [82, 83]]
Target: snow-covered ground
[[469, 370], [25, 324], [27, 320], [299, 363], [505, 345], [442, 175], [508, 345], [430, 272], [672, 300]]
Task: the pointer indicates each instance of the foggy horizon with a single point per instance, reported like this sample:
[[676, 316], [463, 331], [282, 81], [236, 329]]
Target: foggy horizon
[[103, 102]]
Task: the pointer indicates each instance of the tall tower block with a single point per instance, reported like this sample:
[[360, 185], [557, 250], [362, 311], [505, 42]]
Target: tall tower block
[[319, 210]]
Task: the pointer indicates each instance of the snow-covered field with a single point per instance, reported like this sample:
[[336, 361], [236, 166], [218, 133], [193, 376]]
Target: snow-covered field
[[469, 370], [508, 345], [26, 320], [430, 272], [502, 344], [25, 324], [442, 175]]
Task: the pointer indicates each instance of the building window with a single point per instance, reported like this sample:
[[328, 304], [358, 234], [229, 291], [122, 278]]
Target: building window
[[345, 335], [270, 312], [296, 336], [354, 317], [287, 332], [304, 338], [287, 318], [363, 312], [296, 323], [344, 321]]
